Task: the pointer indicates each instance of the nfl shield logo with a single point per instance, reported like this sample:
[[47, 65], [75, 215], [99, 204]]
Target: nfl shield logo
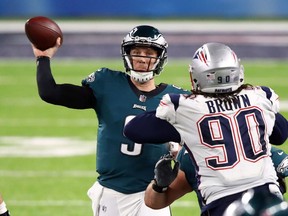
[[142, 98]]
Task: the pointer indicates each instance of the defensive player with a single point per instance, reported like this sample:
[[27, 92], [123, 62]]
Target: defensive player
[[225, 125], [3, 210], [125, 168]]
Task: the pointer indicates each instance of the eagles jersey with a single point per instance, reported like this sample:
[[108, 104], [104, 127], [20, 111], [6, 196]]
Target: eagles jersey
[[229, 142], [123, 165], [186, 165]]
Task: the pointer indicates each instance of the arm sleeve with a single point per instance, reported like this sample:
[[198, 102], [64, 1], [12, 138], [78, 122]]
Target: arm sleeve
[[280, 130], [69, 95], [147, 128]]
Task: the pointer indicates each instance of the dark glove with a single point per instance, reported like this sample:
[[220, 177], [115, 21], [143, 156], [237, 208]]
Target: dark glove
[[164, 173]]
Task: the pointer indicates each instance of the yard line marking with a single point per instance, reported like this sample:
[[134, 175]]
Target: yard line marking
[[49, 203], [185, 204], [45, 147], [33, 173], [283, 105], [13, 122]]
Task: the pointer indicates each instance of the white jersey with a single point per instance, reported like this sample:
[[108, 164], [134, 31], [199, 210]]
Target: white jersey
[[229, 142]]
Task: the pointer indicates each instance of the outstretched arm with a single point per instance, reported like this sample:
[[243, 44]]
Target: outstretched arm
[[72, 96], [69, 95]]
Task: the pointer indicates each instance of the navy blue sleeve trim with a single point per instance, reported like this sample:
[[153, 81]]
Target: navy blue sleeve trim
[[280, 130], [175, 100], [267, 91], [147, 128]]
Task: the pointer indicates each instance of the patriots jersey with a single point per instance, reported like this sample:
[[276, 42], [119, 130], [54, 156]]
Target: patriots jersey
[[123, 165], [229, 141]]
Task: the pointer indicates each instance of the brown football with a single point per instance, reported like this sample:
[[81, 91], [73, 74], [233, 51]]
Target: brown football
[[43, 32]]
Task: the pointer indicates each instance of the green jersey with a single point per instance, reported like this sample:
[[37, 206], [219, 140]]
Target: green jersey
[[123, 165]]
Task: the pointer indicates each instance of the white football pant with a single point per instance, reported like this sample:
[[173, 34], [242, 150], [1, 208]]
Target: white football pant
[[107, 202]]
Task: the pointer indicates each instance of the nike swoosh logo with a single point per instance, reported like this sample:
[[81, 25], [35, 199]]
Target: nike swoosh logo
[[280, 153]]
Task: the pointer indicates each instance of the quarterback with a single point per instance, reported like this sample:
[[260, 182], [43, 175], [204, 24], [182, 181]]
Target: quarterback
[[125, 168]]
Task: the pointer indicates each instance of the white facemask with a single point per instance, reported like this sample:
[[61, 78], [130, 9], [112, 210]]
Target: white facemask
[[141, 77]]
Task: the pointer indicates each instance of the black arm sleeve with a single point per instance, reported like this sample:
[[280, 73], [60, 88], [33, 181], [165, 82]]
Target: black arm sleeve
[[69, 95], [147, 128], [280, 130]]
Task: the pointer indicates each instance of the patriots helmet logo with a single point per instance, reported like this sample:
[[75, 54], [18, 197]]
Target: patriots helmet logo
[[201, 55]]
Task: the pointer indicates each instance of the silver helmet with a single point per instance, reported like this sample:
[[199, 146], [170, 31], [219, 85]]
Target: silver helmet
[[215, 68], [144, 36]]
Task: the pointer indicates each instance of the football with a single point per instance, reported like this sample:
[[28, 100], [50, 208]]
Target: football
[[42, 32]]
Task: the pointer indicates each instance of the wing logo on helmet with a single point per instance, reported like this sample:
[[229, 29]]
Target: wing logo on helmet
[[144, 36]]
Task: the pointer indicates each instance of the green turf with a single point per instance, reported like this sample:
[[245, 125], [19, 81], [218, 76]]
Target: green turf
[[41, 185]]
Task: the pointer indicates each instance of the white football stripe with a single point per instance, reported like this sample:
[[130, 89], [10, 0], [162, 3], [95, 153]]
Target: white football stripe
[[49, 203], [45, 147], [283, 106], [33, 173]]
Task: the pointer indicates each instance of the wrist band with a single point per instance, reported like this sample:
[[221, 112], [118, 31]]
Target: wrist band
[[158, 189]]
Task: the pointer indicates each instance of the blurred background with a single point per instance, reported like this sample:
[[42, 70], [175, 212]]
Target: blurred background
[[95, 28], [147, 9]]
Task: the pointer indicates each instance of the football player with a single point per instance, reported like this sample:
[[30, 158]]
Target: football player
[[225, 125], [125, 168], [185, 181], [3, 209]]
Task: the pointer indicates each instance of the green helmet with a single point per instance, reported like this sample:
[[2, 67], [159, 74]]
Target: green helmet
[[144, 36]]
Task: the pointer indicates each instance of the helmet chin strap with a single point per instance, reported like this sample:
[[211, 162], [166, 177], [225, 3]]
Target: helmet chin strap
[[141, 77]]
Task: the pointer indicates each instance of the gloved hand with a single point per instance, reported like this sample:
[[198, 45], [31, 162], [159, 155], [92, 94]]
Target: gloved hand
[[164, 173]]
